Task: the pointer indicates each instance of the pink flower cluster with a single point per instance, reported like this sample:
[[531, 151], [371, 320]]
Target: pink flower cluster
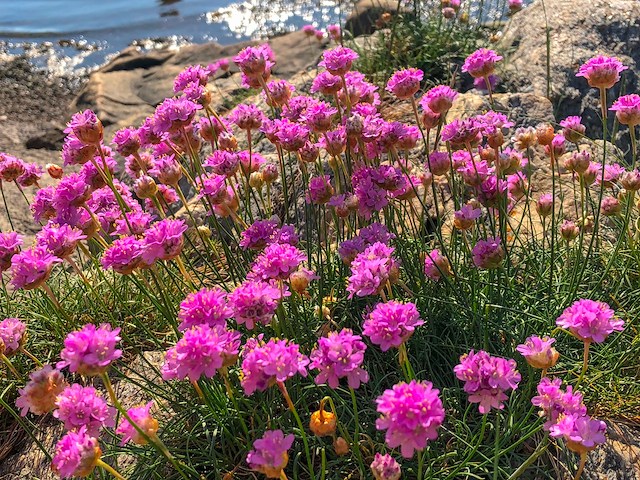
[[590, 320], [90, 350], [340, 355], [487, 379], [390, 324]]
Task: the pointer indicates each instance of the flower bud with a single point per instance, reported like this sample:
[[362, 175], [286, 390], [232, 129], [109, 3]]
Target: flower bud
[[204, 231], [545, 134], [54, 171], [255, 180], [569, 231], [340, 446], [270, 173], [145, 187], [300, 279], [631, 180], [544, 205]]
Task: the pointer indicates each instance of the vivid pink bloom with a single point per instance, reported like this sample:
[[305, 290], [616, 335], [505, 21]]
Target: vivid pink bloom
[[42, 206], [12, 337], [259, 234], [71, 191], [371, 270], [590, 321], [487, 378], [163, 241], [255, 62], [601, 71], [539, 352], [294, 111], [439, 99], [124, 255], [10, 243], [340, 355], [627, 109], [326, 83], [60, 240], [247, 116], [250, 163], [264, 364], [223, 163], [31, 268], [411, 413], [466, 217], [320, 190], [173, 114], [385, 467], [192, 74], [141, 416], [280, 92], [573, 129], [76, 455], [253, 303], [202, 350], [338, 60], [488, 253], [481, 63], [462, 132], [582, 433], [269, 455], [405, 83], [554, 402], [79, 406], [74, 152], [213, 188], [86, 127], [291, 136], [612, 173], [391, 324], [40, 393], [207, 306], [90, 350], [436, 265], [133, 223], [126, 141], [319, 116], [276, 262]]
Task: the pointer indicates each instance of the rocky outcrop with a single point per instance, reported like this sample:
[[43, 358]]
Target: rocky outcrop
[[577, 32], [366, 13]]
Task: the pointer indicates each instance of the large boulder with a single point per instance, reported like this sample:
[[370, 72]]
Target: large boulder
[[577, 31]]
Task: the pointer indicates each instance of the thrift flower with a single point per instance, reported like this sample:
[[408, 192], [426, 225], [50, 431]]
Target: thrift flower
[[40, 393], [10, 243], [90, 350], [338, 60], [487, 379], [253, 303], [203, 350], [86, 127], [538, 352], [627, 109], [581, 433], [590, 321], [391, 324], [12, 336], [405, 83], [141, 416], [60, 240], [76, 455], [124, 255], [488, 253], [439, 99], [277, 262], [79, 406], [481, 63], [163, 241], [269, 455], [32, 268], [385, 467], [340, 355], [601, 71], [436, 265], [411, 413], [207, 306], [371, 270]]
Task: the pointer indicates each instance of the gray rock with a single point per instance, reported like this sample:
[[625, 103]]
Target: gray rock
[[577, 32], [366, 13]]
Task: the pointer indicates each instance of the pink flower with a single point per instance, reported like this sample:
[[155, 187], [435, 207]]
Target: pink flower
[[247, 116], [11, 168], [292, 136], [173, 114], [203, 350], [223, 163], [573, 129], [461, 132], [190, 75], [163, 241], [318, 116], [141, 416], [10, 243], [488, 253], [280, 92], [126, 141], [538, 352], [582, 433], [439, 99], [391, 324], [405, 83], [31, 268], [627, 109], [86, 127], [79, 406], [76, 455], [71, 191], [60, 240], [124, 255], [338, 60], [340, 355], [590, 321], [466, 217], [411, 413], [133, 223], [601, 71], [371, 270], [385, 467], [264, 364], [554, 402], [487, 378], [253, 303], [320, 190], [259, 234], [481, 63], [207, 306], [32, 173], [269, 455], [40, 393], [12, 337], [276, 262], [255, 62], [544, 204], [436, 265], [90, 350], [326, 83]]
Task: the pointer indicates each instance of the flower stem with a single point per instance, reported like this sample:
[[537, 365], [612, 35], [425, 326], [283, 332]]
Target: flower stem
[[292, 407], [31, 356], [109, 469], [356, 433], [420, 464], [585, 360], [10, 366], [583, 461], [496, 448]]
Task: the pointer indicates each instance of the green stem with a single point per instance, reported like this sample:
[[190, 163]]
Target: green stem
[[496, 448], [356, 434], [305, 441], [109, 469]]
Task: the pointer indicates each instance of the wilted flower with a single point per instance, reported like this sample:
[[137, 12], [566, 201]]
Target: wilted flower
[[411, 413], [436, 265], [40, 393], [538, 352], [573, 129], [141, 416]]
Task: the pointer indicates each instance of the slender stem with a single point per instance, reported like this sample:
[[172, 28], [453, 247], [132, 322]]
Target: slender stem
[[10, 366], [489, 89], [420, 464], [292, 407], [542, 447], [4, 199], [356, 433], [583, 461], [585, 360], [496, 448], [634, 146], [31, 356], [109, 469]]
